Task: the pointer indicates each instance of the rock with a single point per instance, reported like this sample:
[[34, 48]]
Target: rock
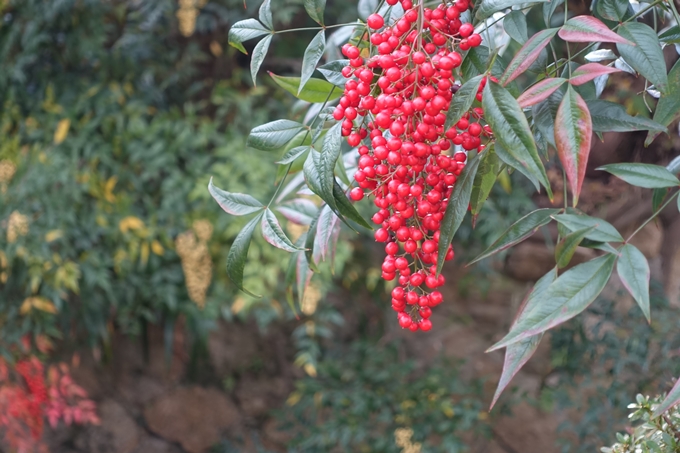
[[117, 433], [530, 260], [154, 445], [232, 347], [194, 417], [257, 396], [649, 240]]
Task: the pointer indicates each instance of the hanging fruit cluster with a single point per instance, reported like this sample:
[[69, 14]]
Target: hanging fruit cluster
[[401, 84]]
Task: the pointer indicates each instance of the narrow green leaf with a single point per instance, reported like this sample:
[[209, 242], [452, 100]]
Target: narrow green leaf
[[527, 55], [300, 210], [517, 354], [668, 107], [346, 208], [518, 231], [238, 253], [548, 11], [259, 52], [573, 133], [234, 203], [486, 176], [456, 208], [643, 175], [304, 276], [313, 54], [645, 56], [462, 101], [658, 196], [674, 166], [671, 400], [315, 90], [671, 36], [324, 233], [274, 234], [265, 14], [565, 298], [515, 25], [274, 135], [488, 7], [611, 117], [510, 160], [292, 154], [566, 248], [310, 240], [540, 91], [243, 31], [512, 130], [633, 270], [599, 245], [332, 71], [613, 10], [603, 231], [315, 9], [589, 29]]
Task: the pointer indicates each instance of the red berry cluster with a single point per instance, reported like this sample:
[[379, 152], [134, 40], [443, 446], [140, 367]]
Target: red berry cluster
[[394, 110], [33, 373]]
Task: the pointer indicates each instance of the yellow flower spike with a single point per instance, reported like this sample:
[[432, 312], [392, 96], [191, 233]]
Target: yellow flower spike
[[157, 248], [108, 189], [53, 235], [61, 132], [310, 369], [130, 223], [294, 398], [144, 253], [17, 226], [39, 303]]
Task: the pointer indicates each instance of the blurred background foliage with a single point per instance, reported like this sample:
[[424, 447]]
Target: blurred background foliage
[[114, 116]]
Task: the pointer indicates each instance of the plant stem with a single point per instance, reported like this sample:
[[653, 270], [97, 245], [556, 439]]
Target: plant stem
[[654, 214], [288, 30]]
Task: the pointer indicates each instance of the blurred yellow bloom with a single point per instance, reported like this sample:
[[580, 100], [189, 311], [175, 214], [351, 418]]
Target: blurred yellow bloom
[[130, 223], [16, 226], [215, 48], [53, 235], [61, 132], [144, 253], [310, 369], [157, 248], [39, 303], [108, 189], [294, 398]]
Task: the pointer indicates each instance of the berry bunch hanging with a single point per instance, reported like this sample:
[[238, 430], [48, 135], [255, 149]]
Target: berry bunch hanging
[[394, 110]]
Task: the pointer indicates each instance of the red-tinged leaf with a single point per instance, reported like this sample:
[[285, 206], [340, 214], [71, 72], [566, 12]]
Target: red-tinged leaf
[[671, 400], [517, 354], [589, 29], [573, 134], [527, 55], [324, 233], [590, 71], [540, 91]]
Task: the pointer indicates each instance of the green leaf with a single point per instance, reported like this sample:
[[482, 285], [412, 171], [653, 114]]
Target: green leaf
[[238, 253], [517, 354], [299, 210], [243, 31], [259, 52], [613, 10], [456, 208], [325, 227], [315, 9], [293, 154], [366, 8], [346, 208], [603, 231], [265, 14], [486, 176], [333, 72], [512, 131], [515, 25], [565, 298], [274, 135], [573, 133], [611, 117], [658, 196], [548, 11], [671, 36], [671, 400], [643, 175], [313, 54], [540, 91], [674, 166], [315, 90], [645, 56], [488, 7], [566, 248], [311, 239], [527, 55], [318, 168], [590, 71], [510, 160], [234, 203], [462, 101], [272, 232], [668, 107], [518, 231], [633, 270], [589, 29]]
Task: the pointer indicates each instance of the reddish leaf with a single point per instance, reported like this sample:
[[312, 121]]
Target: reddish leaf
[[671, 400], [573, 134], [540, 92], [527, 54], [589, 29], [590, 71]]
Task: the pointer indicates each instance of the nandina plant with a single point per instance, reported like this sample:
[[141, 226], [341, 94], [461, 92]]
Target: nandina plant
[[434, 101]]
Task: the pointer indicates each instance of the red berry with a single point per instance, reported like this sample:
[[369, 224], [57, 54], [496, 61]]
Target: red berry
[[375, 21]]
